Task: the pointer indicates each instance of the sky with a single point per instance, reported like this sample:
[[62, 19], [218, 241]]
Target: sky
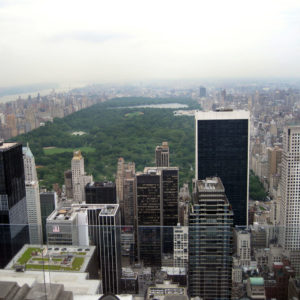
[[105, 41]]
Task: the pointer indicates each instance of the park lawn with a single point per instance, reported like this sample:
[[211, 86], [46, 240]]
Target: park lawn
[[27, 255], [57, 150], [134, 114]]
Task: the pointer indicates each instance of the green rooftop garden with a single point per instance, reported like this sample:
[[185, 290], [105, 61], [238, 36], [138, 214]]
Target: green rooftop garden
[[27, 255]]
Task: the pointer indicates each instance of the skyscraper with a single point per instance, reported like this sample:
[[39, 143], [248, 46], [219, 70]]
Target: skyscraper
[[122, 170], [34, 212], [129, 194], [222, 147], [68, 184], [202, 91], [156, 206], [79, 177], [103, 231], [100, 193], [32, 197], [148, 202], [210, 241], [290, 183], [162, 155], [48, 202], [13, 217], [29, 165], [110, 248]]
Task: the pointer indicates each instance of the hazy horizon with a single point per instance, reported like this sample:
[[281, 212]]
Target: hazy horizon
[[127, 41]]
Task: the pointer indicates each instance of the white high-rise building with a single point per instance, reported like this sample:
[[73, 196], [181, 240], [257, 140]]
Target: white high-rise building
[[79, 178], [290, 186], [32, 197], [243, 249], [181, 246], [29, 165], [34, 212]]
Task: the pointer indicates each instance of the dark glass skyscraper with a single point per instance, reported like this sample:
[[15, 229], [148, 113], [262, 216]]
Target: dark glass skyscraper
[[13, 216], [222, 143], [100, 193], [156, 206]]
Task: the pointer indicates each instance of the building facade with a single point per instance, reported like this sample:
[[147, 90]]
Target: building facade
[[110, 248], [157, 212], [34, 212], [100, 193], [290, 183], [222, 147], [210, 241], [13, 217], [181, 246], [162, 155], [29, 165], [79, 177], [48, 203]]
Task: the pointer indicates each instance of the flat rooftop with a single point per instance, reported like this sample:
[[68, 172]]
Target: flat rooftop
[[101, 184], [78, 283], [222, 115], [53, 258], [6, 146], [210, 184], [167, 289], [65, 214]]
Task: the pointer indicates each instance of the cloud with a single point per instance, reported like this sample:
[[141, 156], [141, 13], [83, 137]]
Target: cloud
[[88, 37]]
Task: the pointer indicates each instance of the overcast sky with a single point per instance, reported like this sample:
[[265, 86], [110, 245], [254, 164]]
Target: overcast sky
[[121, 40]]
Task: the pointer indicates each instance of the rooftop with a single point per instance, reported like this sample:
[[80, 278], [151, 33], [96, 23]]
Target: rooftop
[[78, 283], [6, 146], [210, 184], [95, 184], [54, 258], [222, 115]]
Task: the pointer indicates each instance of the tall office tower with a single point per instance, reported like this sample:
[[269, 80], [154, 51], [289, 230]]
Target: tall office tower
[[210, 241], [222, 147], [169, 187], [13, 217], [32, 197], [162, 155], [103, 231], [148, 202], [156, 206], [110, 248], [34, 212], [79, 177], [202, 91], [290, 183], [129, 195], [48, 205], [29, 165], [122, 169], [68, 184], [119, 179], [100, 193]]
